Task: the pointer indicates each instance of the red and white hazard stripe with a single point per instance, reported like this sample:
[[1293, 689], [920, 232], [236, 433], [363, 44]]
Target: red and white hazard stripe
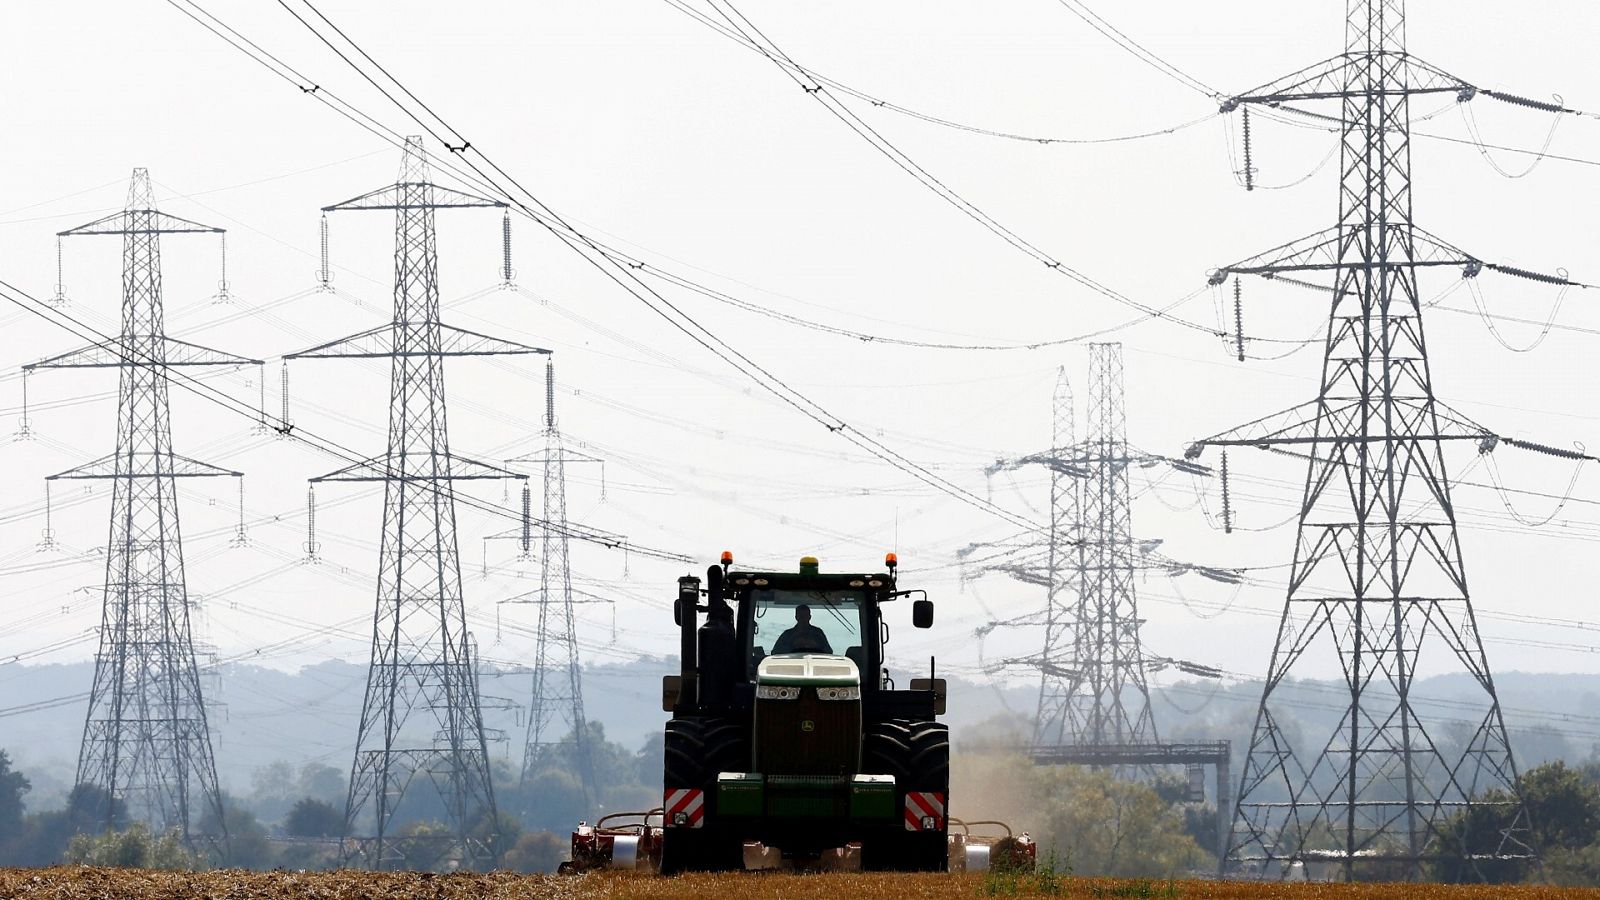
[[924, 811], [686, 807]]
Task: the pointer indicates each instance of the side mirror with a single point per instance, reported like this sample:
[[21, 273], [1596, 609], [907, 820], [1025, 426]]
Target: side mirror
[[671, 689], [922, 613]]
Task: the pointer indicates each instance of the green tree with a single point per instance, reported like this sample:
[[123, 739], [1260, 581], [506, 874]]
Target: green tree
[[247, 846], [536, 851], [311, 817], [1563, 808], [132, 848], [424, 846], [1090, 821], [13, 787]]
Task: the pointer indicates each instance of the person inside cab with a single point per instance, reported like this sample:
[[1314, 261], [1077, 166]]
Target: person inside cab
[[804, 637]]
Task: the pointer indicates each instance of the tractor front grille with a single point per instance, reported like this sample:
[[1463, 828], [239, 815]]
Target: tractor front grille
[[808, 796], [808, 736]]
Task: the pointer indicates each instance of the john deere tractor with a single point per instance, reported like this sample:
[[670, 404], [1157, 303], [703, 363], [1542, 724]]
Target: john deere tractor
[[788, 731]]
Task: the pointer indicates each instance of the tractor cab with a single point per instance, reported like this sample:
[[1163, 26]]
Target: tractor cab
[[788, 731], [756, 616]]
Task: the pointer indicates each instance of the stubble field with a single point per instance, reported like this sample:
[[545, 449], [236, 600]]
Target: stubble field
[[84, 883]]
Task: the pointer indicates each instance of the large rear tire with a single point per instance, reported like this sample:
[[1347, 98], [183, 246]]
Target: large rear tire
[[917, 754], [696, 749]]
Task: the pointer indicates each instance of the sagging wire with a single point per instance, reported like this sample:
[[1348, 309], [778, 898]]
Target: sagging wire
[[1216, 689], [1232, 526], [1470, 117], [1244, 174], [1544, 330], [1493, 468], [1233, 339], [891, 106]]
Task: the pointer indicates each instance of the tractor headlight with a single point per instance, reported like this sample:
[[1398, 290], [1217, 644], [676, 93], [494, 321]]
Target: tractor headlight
[[839, 693], [777, 692]]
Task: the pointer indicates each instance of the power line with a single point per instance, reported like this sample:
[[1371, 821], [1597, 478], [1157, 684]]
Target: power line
[[931, 118], [626, 278]]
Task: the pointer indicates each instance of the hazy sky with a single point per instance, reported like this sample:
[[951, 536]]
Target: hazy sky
[[647, 128]]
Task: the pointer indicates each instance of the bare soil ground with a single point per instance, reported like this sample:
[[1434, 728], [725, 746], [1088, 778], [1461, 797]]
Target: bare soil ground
[[84, 883]]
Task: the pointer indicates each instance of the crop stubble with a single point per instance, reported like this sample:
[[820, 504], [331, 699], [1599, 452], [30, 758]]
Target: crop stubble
[[85, 883]]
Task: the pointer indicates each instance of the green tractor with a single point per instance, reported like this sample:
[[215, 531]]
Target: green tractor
[[787, 732]]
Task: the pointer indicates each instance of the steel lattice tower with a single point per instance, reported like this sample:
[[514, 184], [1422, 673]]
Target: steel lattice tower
[[1062, 546], [1093, 691], [422, 715], [1377, 573], [556, 709], [1108, 701], [146, 741]]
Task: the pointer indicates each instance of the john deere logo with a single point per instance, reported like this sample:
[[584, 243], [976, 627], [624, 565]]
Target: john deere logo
[[808, 725]]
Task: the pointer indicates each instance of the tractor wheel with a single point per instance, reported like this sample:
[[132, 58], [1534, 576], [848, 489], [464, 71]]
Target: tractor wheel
[[697, 748], [917, 754]]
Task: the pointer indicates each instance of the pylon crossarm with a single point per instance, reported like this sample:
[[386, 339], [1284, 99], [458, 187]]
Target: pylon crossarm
[[123, 223], [1296, 421], [1331, 78], [394, 196], [433, 466], [144, 465], [117, 352], [1323, 251], [381, 343]]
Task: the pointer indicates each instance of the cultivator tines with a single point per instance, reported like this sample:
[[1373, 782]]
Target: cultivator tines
[[982, 852], [626, 840]]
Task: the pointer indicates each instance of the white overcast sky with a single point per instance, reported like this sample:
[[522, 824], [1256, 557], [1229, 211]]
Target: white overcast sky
[[699, 155]]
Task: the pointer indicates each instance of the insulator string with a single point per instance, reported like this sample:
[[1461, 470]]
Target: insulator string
[[47, 540], [286, 426], [25, 426], [312, 547], [240, 537], [1238, 317], [507, 274], [222, 295], [527, 519], [1249, 169], [324, 274], [60, 298], [261, 401], [549, 394], [1227, 500]]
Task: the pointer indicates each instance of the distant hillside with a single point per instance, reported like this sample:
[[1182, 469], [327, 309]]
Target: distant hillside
[[262, 715]]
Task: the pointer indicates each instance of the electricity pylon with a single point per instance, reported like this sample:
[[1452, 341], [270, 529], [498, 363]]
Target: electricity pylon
[[422, 657], [1376, 586], [557, 729], [1093, 689], [146, 741]]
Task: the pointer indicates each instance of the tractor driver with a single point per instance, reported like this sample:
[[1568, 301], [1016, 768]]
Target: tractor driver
[[804, 637]]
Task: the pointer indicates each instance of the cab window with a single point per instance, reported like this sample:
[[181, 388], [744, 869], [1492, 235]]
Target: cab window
[[788, 621]]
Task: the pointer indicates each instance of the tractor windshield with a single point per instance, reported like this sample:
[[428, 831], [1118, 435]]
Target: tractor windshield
[[788, 621]]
